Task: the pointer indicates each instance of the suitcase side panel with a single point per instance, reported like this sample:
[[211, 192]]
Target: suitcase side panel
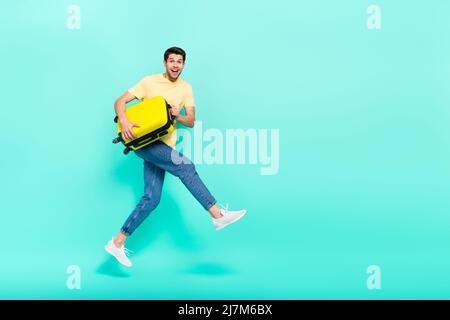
[[152, 115]]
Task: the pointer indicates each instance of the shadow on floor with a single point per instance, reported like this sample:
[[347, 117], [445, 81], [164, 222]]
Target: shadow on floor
[[209, 269], [111, 267]]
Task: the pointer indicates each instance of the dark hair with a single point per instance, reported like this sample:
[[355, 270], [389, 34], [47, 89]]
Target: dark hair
[[175, 50]]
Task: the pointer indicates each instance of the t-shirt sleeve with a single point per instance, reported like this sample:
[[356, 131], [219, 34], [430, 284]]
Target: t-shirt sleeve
[[189, 100], [138, 90]]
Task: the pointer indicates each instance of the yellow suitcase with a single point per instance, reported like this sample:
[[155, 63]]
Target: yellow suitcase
[[155, 119]]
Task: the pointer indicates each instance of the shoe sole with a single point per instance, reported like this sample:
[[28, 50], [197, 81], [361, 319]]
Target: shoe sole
[[109, 251], [231, 222]]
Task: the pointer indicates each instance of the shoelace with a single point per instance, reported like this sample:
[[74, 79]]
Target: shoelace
[[128, 252], [223, 207]]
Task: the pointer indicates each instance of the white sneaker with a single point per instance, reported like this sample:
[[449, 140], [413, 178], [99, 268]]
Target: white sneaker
[[119, 253], [228, 218]]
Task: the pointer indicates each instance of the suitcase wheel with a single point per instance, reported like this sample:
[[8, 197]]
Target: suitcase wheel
[[126, 150], [117, 140]]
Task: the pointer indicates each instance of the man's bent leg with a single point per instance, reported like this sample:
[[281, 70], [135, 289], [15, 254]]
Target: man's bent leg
[[161, 155]]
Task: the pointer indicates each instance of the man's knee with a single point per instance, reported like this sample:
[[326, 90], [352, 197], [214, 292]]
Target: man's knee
[[149, 203]]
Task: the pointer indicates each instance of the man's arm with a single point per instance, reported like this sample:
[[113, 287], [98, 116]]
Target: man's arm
[[119, 107], [189, 119]]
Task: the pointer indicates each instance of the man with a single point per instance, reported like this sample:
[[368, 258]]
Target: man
[[158, 155]]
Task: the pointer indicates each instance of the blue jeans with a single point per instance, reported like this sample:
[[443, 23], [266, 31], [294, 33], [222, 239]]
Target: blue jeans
[[157, 160]]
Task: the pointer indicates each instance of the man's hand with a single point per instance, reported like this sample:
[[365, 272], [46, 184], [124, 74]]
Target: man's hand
[[189, 119], [175, 111], [127, 125]]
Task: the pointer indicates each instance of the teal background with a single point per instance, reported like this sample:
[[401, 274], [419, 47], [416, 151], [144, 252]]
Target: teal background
[[364, 150]]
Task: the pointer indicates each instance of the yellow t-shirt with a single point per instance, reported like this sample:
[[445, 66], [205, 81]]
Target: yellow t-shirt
[[178, 93]]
